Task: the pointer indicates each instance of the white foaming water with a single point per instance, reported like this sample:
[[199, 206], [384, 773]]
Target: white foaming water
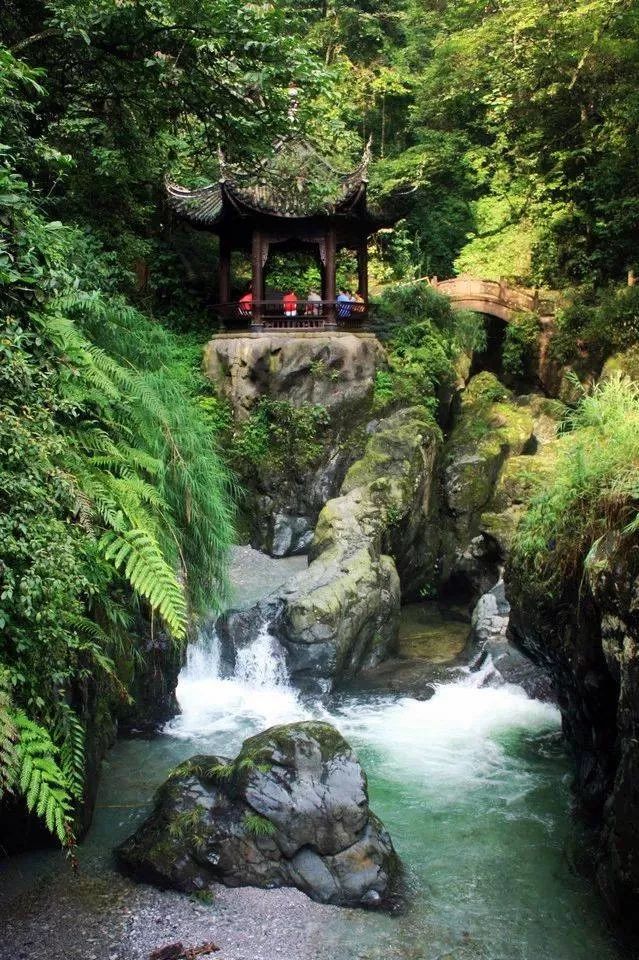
[[258, 695], [262, 663], [456, 739]]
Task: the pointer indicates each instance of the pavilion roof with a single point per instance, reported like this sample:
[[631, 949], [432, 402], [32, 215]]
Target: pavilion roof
[[295, 182]]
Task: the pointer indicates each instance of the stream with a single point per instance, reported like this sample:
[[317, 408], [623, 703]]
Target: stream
[[473, 785]]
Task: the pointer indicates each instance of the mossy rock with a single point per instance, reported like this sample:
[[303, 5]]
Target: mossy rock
[[279, 744], [547, 414], [391, 450], [426, 634], [298, 816], [489, 430], [502, 526], [485, 388], [523, 477], [626, 364]]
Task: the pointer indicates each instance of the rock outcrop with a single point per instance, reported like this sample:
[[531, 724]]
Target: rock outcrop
[[498, 456], [290, 810], [341, 613], [588, 638], [625, 364], [335, 372], [489, 430]]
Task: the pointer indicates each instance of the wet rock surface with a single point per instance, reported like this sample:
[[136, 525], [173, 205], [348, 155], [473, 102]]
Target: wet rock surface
[[588, 639], [290, 810], [340, 615], [432, 641]]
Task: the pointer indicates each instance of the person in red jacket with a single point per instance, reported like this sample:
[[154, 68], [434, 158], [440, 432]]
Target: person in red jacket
[[245, 304], [289, 303]]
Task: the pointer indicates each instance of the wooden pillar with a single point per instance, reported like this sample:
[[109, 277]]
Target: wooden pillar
[[224, 272], [362, 269], [329, 283], [258, 279]]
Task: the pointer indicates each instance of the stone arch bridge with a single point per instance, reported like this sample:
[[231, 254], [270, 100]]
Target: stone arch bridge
[[497, 298]]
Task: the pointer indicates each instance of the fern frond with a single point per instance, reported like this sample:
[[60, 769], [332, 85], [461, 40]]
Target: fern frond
[[42, 781], [69, 734], [9, 762], [149, 574]]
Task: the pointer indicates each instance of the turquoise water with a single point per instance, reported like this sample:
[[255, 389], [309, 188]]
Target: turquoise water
[[472, 784]]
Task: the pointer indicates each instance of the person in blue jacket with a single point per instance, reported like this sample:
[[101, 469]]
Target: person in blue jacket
[[344, 301]]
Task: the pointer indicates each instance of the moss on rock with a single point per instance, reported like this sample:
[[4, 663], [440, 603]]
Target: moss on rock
[[626, 363]]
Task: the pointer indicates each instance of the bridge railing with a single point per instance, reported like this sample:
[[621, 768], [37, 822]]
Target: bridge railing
[[498, 291]]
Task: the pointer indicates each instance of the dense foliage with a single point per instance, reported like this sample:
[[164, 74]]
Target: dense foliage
[[277, 436], [113, 502], [427, 343], [594, 488], [598, 323], [506, 133]]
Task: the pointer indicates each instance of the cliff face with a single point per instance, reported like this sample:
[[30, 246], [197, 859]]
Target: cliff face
[[589, 640], [496, 458], [335, 372]]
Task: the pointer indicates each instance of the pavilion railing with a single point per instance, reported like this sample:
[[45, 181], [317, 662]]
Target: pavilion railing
[[306, 315]]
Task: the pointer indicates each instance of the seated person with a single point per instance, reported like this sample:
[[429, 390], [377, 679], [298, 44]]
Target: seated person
[[313, 304], [245, 304], [359, 304], [344, 302], [289, 303]]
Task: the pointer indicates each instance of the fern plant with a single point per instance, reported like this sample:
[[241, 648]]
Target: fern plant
[[113, 501], [42, 781], [258, 826]]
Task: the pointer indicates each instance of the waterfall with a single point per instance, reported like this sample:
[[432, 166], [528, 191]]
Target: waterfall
[[259, 690], [262, 662]]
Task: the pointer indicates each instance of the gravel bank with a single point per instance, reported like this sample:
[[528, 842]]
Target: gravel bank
[[109, 918]]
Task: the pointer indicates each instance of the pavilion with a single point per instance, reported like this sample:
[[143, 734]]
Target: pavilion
[[294, 201]]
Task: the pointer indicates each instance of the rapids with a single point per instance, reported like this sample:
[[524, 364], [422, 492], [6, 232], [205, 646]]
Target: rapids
[[473, 785]]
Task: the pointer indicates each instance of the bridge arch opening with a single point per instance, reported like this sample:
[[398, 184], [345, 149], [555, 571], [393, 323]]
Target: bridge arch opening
[[491, 358]]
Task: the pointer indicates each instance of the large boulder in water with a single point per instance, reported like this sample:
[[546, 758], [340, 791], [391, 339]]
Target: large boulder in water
[[290, 810]]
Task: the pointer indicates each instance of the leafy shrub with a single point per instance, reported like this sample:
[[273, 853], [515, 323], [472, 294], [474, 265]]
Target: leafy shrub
[[278, 435], [599, 325], [425, 338], [520, 345], [595, 487]]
